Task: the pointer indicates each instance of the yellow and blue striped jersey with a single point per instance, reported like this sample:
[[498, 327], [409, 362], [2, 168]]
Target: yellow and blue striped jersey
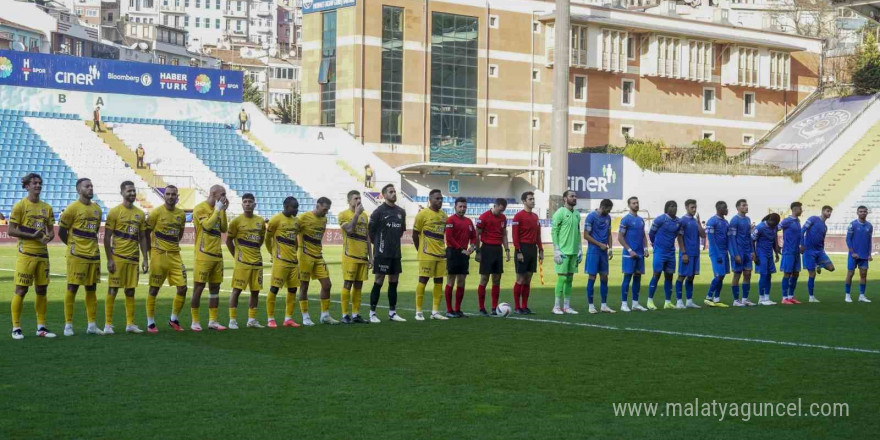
[[248, 235], [82, 222], [210, 225], [126, 225], [354, 245], [32, 217], [281, 239], [311, 232], [166, 227], [431, 227]]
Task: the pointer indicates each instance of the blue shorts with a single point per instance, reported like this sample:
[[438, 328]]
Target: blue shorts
[[597, 262], [631, 265], [852, 263], [790, 263], [664, 263], [745, 265], [692, 268], [720, 265], [816, 258], [766, 265]]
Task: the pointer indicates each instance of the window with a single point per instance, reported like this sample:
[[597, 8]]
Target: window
[[668, 56], [536, 124], [748, 140], [700, 60], [748, 66], [165, 20], [238, 25], [536, 27], [493, 70], [749, 104], [628, 92], [175, 62], [186, 20], [199, 3], [627, 131], [91, 12], [493, 120], [579, 127], [207, 4], [186, 3], [454, 88], [779, 70], [164, 2], [327, 74], [613, 50], [198, 21], [579, 46], [493, 21], [392, 75], [630, 48], [238, 6], [580, 88], [162, 59], [217, 5], [216, 23], [709, 135], [176, 21], [708, 100]]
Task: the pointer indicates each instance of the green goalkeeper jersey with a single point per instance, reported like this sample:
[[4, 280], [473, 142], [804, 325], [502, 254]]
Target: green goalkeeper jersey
[[566, 231]]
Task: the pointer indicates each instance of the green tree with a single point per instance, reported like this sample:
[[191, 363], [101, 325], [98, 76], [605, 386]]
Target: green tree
[[252, 93], [865, 67], [707, 150], [288, 110]]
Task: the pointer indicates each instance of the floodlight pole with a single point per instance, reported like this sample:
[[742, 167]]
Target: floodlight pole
[[559, 141]]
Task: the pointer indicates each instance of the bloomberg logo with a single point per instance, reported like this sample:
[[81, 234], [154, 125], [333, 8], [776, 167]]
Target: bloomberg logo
[[596, 176], [79, 79]]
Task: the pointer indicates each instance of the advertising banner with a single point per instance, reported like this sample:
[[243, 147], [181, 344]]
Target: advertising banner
[[309, 6], [596, 176]]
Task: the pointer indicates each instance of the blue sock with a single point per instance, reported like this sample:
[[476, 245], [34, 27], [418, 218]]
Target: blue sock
[[785, 287], [624, 288], [792, 283], [713, 286], [862, 288], [735, 290], [590, 283], [768, 281], [667, 288], [847, 287], [603, 290], [746, 288], [718, 288], [689, 288], [652, 286], [637, 287], [811, 283], [678, 283]]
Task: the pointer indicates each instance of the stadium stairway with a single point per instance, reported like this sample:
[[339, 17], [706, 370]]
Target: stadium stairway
[[88, 156], [129, 157], [24, 151], [326, 182]]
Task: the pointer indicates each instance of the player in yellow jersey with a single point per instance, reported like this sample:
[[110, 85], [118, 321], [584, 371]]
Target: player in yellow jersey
[[312, 225], [244, 240], [33, 224], [209, 218], [430, 242], [124, 234], [281, 242], [165, 225], [79, 225], [357, 257]]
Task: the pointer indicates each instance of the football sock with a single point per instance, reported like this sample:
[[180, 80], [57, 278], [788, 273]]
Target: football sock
[[420, 296], [448, 294], [177, 305], [678, 285], [252, 313], [713, 285], [481, 296], [459, 297], [374, 296], [567, 292], [41, 302], [636, 287], [270, 305], [847, 287], [785, 284], [17, 306], [151, 307], [811, 284], [591, 282], [496, 293], [392, 296], [517, 294], [624, 287], [194, 314], [652, 286], [304, 306], [719, 286], [91, 305], [355, 301], [667, 286], [527, 289], [346, 300], [560, 289], [325, 305], [212, 314], [438, 297], [69, 302], [862, 288], [289, 304], [108, 309], [735, 290], [792, 284], [689, 288], [233, 313], [746, 288], [129, 310]]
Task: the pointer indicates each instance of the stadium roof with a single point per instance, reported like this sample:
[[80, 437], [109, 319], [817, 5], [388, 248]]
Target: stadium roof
[[459, 169], [867, 8]]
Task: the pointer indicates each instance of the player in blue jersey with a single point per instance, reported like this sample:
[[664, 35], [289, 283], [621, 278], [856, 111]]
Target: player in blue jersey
[[858, 242], [813, 248], [663, 234], [791, 261], [689, 237], [740, 243], [597, 232], [632, 238], [716, 233], [766, 246]]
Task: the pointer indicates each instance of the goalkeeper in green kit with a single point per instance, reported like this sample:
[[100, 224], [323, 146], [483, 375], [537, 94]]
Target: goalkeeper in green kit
[[567, 251]]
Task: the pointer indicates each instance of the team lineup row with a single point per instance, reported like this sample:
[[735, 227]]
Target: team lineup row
[[135, 242]]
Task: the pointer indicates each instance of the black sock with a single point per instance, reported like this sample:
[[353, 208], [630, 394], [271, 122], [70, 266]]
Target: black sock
[[374, 296], [392, 296]]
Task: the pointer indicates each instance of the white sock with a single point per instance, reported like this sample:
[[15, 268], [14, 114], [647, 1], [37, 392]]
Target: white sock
[[324, 314], [306, 315], [288, 318], [567, 303], [250, 320], [557, 303], [174, 317], [354, 315], [606, 305], [151, 321], [372, 313]]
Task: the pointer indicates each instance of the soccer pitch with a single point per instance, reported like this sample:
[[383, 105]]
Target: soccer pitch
[[531, 377]]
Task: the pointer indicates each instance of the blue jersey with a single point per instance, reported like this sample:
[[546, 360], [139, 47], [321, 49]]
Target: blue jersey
[[791, 235], [633, 229], [690, 234], [599, 227], [716, 231], [740, 235], [858, 238], [663, 232], [764, 237], [813, 234]]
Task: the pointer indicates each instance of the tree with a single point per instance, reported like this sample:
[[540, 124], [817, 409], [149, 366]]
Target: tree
[[812, 18], [252, 93], [865, 67], [288, 110]]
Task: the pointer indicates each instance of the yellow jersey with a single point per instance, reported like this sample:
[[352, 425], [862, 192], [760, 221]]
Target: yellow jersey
[[210, 224], [431, 227], [311, 231], [166, 227], [354, 245], [32, 217], [126, 225], [281, 240], [82, 222], [248, 234]]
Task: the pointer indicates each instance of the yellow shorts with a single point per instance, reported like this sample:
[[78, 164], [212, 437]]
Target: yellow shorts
[[31, 270], [126, 275], [285, 275], [245, 277], [210, 272], [166, 265], [83, 272], [354, 270], [312, 269], [432, 269]]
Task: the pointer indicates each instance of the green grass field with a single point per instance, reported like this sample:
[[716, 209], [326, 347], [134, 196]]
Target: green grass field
[[533, 377]]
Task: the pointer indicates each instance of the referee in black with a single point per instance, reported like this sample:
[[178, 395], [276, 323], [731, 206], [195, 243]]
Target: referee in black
[[387, 225]]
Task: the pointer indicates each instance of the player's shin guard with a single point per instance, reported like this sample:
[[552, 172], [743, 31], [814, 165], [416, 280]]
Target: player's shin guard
[[746, 288], [459, 297], [811, 285], [151, 307], [496, 293], [392, 296], [527, 290], [679, 283], [129, 310], [517, 294], [17, 306], [109, 302], [624, 288], [734, 289], [92, 305], [719, 286], [713, 286], [194, 314], [447, 292], [636, 287], [69, 301], [863, 288], [355, 301], [652, 286], [591, 283], [481, 296], [437, 297], [785, 281], [289, 304], [792, 284], [41, 303], [374, 296], [270, 305], [177, 305], [689, 288], [667, 286], [847, 287], [346, 300], [420, 296], [603, 290]]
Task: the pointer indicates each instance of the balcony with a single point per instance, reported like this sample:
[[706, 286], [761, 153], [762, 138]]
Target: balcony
[[235, 13], [264, 11], [171, 9]]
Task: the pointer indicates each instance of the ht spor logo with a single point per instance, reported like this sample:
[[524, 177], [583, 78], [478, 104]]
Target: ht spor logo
[[203, 83], [26, 68], [80, 79], [5, 67]]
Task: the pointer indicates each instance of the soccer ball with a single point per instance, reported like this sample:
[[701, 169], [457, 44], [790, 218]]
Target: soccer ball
[[503, 310]]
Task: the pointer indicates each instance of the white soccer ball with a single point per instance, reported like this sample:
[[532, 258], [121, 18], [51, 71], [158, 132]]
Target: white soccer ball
[[503, 310]]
